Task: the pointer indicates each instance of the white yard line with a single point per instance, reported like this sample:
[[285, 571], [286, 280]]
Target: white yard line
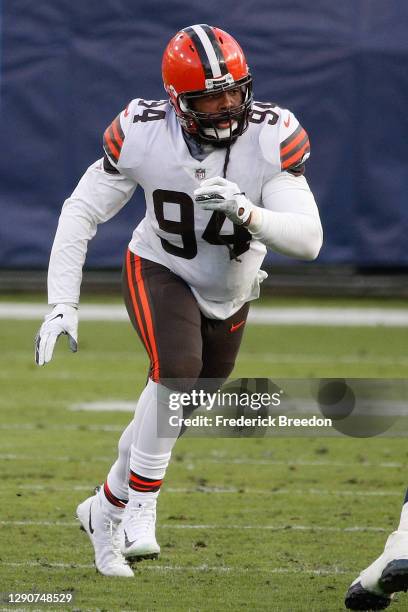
[[190, 568], [85, 428], [221, 461], [312, 463], [107, 406], [308, 358], [354, 529], [50, 488], [348, 316]]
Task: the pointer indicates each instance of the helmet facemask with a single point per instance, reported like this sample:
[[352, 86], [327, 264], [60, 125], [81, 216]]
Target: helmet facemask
[[204, 125]]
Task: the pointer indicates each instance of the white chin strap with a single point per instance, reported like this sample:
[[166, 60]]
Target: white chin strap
[[220, 133]]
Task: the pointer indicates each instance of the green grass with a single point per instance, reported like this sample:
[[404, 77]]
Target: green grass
[[270, 515]]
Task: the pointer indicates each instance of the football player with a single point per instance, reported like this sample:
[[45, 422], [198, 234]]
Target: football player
[[223, 179], [375, 587]]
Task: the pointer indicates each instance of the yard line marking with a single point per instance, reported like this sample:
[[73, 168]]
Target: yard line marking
[[108, 406], [194, 568], [354, 529], [302, 463], [223, 461], [308, 358], [307, 406], [13, 457], [85, 428], [318, 315], [217, 490]]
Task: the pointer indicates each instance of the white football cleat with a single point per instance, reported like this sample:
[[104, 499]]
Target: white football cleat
[[137, 532], [376, 585], [103, 534]]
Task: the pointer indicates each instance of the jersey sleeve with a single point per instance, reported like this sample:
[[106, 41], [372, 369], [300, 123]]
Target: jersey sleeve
[[115, 134], [294, 144]]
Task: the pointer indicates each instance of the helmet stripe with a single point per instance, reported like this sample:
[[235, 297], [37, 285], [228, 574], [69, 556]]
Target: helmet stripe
[[201, 51], [208, 50], [217, 48]]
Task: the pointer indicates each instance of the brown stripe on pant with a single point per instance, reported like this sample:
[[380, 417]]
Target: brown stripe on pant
[[183, 345]]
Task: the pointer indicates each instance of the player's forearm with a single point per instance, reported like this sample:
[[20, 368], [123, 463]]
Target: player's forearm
[[294, 234], [289, 223], [97, 198], [68, 254]]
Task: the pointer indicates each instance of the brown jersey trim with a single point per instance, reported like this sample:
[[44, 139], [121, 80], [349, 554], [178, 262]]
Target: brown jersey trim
[[113, 139], [294, 148]]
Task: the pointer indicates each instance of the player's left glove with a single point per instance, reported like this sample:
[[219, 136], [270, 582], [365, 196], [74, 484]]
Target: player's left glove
[[63, 319], [224, 196]]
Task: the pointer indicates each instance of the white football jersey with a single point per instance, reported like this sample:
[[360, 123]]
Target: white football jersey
[[145, 144]]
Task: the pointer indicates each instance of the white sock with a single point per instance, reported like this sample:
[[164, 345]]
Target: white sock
[[119, 473], [110, 511], [150, 454]]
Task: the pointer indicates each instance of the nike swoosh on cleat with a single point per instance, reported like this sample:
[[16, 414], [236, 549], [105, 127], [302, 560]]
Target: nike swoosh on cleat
[[127, 541], [287, 121], [237, 326], [91, 529]]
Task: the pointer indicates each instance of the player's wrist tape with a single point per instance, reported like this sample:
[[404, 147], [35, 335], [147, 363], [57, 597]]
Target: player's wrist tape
[[256, 222]]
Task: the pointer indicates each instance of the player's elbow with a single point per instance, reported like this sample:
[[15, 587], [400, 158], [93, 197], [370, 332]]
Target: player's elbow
[[313, 241]]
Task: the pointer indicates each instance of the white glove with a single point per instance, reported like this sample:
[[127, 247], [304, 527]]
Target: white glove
[[224, 196], [63, 319]]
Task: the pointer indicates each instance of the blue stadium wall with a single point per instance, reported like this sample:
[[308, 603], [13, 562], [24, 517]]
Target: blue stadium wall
[[68, 67]]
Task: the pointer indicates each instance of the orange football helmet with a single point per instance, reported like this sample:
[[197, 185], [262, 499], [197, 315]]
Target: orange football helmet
[[202, 60]]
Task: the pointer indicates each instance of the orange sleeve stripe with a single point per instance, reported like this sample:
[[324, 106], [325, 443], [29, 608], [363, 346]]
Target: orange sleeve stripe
[[293, 142], [297, 157], [148, 318], [117, 130], [135, 305], [113, 150]]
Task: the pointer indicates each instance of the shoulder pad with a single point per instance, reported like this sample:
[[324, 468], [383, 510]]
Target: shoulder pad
[[268, 115], [115, 133], [294, 143], [148, 110], [283, 141], [113, 140]]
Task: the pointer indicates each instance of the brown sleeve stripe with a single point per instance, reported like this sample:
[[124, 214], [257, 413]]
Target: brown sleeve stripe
[[297, 156], [294, 139], [113, 140], [294, 148]]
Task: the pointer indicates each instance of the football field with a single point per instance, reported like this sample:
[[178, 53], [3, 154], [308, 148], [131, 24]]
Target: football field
[[283, 523]]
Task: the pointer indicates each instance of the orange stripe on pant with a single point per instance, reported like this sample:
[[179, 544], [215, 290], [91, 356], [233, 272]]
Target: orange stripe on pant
[[135, 305], [148, 319]]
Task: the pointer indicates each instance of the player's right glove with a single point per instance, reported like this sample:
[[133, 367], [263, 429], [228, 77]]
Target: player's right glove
[[221, 195], [63, 319]]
